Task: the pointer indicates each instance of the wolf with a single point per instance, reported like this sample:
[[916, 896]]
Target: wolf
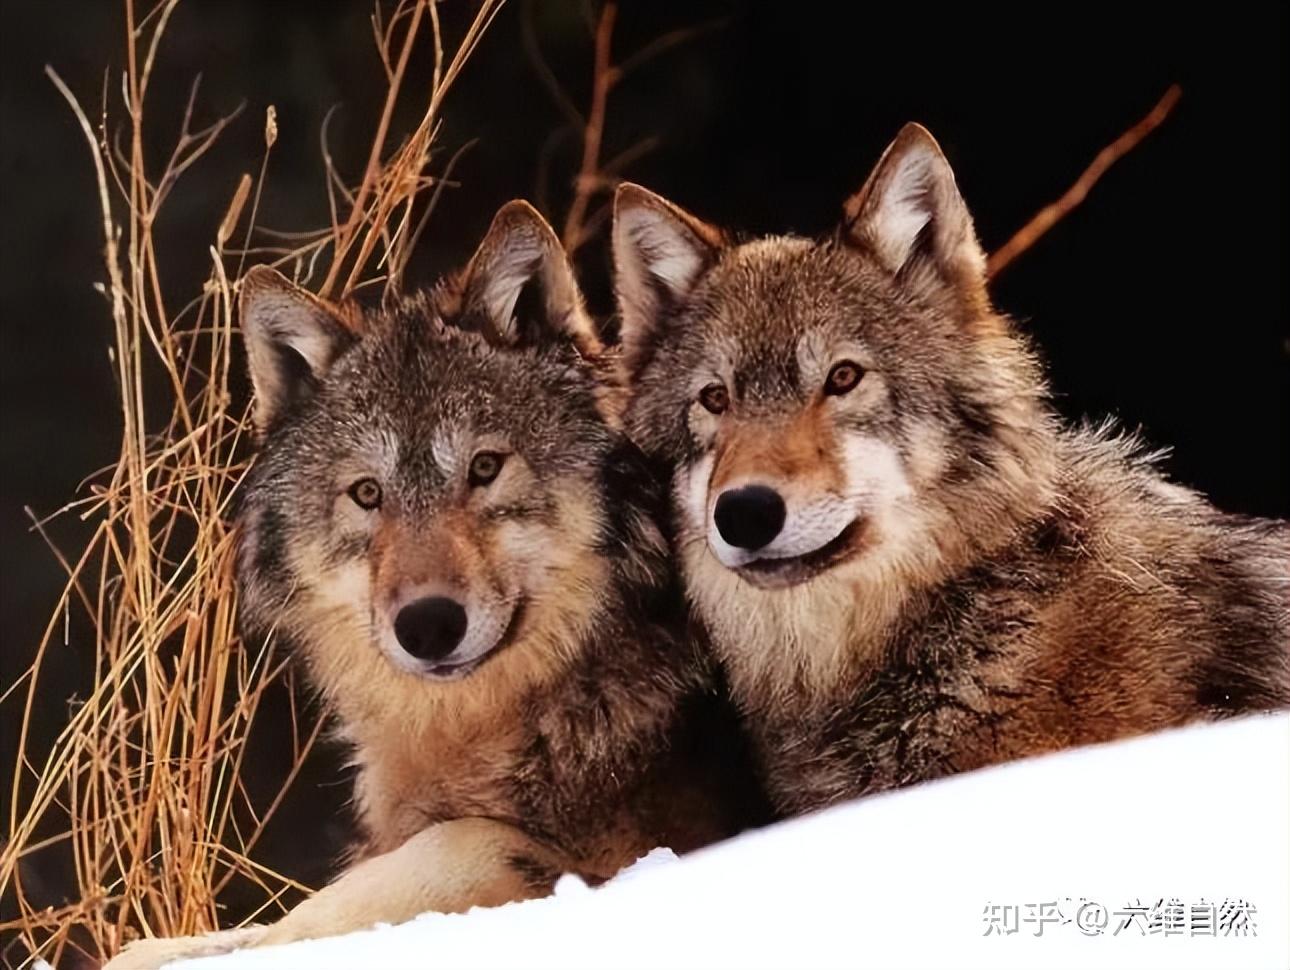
[[907, 564], [448, 526]]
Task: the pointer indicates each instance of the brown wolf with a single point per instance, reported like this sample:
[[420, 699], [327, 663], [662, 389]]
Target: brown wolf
[[446, 525], [908, 567]]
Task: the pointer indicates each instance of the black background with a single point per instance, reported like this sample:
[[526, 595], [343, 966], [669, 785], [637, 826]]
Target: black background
[[1161, 300]]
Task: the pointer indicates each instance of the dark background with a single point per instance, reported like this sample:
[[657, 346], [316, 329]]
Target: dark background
[[1162, 299]]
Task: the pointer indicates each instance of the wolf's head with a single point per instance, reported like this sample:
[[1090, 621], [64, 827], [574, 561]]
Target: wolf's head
[[837, 410], [430, 491]]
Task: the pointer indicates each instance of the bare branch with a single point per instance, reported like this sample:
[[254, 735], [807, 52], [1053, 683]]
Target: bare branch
[[1050, 215], [604, 76]]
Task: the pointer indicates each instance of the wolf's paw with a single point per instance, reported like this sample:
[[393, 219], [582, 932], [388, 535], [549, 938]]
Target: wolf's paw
[[153, 953], [314, 919]]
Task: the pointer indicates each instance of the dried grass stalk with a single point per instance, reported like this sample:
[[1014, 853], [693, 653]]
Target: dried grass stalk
[[143, 788]]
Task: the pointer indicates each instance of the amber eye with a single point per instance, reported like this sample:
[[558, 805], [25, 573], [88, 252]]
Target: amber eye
[[366, 493], [715, 398], [485, 467], [843, 377]]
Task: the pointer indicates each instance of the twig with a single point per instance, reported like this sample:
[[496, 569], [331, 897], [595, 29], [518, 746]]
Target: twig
[[595, 177], [1050, 215], [604, 76]]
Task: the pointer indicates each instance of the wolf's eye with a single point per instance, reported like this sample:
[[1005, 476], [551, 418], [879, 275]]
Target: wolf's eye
[[843, 376], [366, 493], [484, 467], [715, 398]]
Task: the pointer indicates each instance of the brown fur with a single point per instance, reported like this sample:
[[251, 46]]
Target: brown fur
[[1004, 587], [803, 450]]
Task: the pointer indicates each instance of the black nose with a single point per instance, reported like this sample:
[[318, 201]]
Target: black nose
[[430, 628], [749, 517]]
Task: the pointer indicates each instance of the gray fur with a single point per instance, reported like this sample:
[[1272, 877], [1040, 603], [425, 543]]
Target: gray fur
[[595, 724]]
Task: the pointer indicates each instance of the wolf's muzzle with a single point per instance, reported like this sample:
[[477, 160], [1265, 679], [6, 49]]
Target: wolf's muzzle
[[749, 517], [430, 628]]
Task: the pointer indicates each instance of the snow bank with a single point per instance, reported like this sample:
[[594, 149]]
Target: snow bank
[[1166, 835]]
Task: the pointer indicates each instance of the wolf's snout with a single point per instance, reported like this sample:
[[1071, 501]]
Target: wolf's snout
[[430, 628], [749, 517]]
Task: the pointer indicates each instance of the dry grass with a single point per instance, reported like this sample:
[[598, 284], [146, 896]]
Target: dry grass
[[143, 788]]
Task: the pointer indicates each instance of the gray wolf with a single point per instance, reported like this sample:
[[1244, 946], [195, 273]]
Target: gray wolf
[[907, 564], [445, 523]]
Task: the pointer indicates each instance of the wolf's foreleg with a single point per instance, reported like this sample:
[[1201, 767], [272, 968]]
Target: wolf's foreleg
[[447, 868], [151, 953]]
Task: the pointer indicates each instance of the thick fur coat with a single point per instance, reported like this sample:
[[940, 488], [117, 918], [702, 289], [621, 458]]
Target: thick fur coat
[[906, 563], [549, 710]]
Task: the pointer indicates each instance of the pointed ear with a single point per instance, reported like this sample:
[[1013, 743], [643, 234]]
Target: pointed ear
[[292, 338], [660, 252], [521, 255], [911, 217]]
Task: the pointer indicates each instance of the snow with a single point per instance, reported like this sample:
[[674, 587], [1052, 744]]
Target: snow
[[904, 880]]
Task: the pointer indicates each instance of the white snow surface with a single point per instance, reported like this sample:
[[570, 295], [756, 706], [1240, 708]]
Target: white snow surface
[[904, 879]]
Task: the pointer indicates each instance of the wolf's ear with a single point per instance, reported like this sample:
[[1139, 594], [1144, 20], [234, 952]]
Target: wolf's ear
[[660, 251], [292, 338], [521, 255], [911, 216]]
